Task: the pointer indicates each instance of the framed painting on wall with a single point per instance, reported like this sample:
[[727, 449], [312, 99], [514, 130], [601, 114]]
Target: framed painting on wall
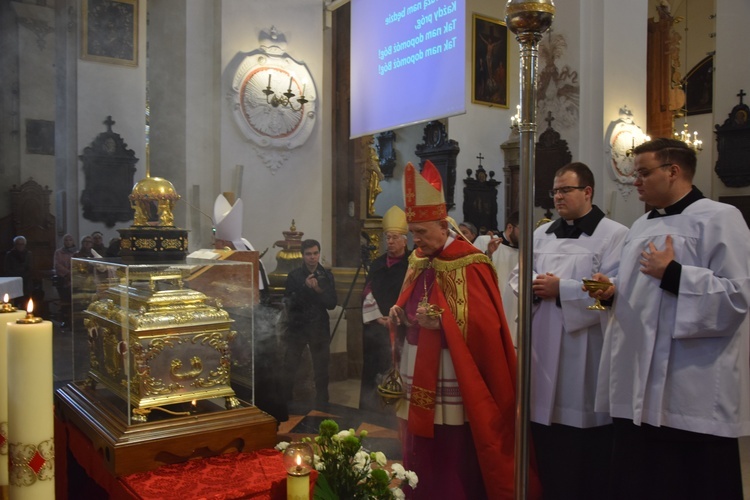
[[109, 31], [489, 56]]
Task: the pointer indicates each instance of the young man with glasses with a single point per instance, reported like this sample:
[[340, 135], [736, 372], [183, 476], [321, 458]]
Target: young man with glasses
[[573, 443], [675, 374]]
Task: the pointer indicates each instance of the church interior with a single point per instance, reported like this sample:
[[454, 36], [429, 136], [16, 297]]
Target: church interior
[[94, 99]]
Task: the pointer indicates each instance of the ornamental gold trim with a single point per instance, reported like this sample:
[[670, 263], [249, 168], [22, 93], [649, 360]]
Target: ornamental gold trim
[[422, 398], [529, 7], [456, 292], [29, 463], [176, 365], [172, 244], [143, 243], [421, 263], [153, 386]]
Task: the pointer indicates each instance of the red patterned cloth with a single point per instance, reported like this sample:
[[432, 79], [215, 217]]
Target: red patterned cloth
[[258, 475]]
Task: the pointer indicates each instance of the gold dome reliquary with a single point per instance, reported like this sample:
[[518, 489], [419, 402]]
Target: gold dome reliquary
[[153, 235]]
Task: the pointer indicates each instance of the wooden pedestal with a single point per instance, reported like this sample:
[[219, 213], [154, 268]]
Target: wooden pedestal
[[126, 449]]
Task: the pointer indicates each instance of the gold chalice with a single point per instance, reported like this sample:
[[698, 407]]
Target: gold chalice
[[592, 286]]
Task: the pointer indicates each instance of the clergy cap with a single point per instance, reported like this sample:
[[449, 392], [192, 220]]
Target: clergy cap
[[423, 194], [394, 221]]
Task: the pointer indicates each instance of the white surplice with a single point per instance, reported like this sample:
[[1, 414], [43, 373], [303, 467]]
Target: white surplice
[[566, 341], [683, 361], [505, 259]]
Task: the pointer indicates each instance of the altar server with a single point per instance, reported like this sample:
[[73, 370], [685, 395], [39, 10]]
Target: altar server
[[675, 373]]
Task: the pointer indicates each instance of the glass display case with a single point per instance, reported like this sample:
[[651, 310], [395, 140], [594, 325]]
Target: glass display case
[[162, 337], [156, 350]]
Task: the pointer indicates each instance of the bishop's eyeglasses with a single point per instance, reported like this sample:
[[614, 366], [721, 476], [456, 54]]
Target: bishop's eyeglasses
[[564, 190]]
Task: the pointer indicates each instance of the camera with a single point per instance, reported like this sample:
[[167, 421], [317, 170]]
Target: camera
[[321, 277]]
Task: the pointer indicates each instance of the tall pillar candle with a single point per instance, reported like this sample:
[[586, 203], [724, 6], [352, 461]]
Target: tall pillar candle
[[8, 314], [30, 409]]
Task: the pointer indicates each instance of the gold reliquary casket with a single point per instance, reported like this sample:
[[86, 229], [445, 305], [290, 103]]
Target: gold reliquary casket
[[153, 341]]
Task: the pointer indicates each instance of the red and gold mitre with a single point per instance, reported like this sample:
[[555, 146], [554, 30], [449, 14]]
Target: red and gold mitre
[[423, 194]]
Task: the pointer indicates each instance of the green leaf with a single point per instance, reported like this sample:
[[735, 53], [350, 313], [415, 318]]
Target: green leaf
[[323, 490]]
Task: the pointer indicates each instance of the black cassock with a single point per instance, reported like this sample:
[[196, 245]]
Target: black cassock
[[385, 284]]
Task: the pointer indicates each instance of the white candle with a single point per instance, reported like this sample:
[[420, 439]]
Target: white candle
[[290, 83], [269, 80], [30, 409], [298, 482], [8, 314]]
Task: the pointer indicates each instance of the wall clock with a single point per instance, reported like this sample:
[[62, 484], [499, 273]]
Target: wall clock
[[274, 121]]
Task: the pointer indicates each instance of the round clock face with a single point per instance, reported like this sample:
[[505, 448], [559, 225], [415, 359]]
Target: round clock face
[[264, 114], [275, 115]]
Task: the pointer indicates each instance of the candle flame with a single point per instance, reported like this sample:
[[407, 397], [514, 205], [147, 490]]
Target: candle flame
[[195, 402], [6, 298], [299, 460], [30, 306]]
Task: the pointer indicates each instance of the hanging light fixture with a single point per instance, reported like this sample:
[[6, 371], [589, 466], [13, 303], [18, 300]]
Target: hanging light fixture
[[685, 135]]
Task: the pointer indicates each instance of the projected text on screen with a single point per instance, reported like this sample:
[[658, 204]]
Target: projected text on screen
[[407, 63]]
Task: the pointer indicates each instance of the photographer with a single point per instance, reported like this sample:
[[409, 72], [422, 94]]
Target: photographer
[[309, 292]]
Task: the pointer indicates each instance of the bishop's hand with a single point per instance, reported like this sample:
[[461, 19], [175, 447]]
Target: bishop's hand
[[398, 316], [427, 318]]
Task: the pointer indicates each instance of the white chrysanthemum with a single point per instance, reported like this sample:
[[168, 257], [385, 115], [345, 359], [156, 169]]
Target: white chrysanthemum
[[380, 458], [398, 494], [361, 460], [412, 478], [343, 434], [281, 446], [398, 471]]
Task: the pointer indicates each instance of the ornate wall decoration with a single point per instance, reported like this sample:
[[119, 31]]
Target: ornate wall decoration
[[386, 152], [733, 145], [621, 137], [552, 152], [38, 19], [480, 198], [108, 167], [442, 152], [278, 120], [559, 90]]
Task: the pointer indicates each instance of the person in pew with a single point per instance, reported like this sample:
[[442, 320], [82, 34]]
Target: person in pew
[[87, 249], [19, 263], [98, 243], [62, 262]]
